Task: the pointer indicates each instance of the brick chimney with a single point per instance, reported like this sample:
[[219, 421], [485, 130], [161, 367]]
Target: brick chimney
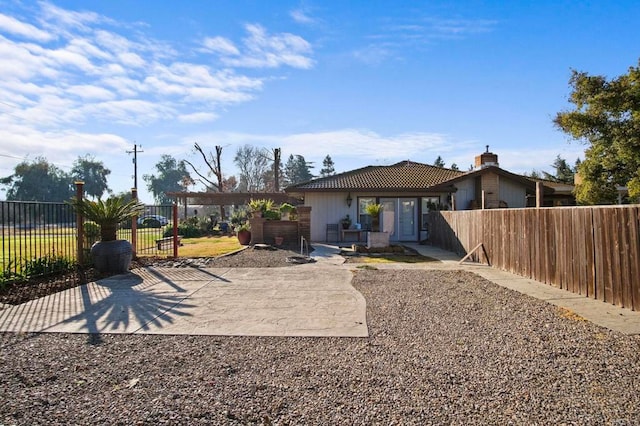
[[486, 159]]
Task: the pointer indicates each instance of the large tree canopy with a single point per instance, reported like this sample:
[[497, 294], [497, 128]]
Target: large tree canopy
[[38, 180], [254, 167], [607, 118], [172, 177], [93, 173], [297, 170], [328, 167]]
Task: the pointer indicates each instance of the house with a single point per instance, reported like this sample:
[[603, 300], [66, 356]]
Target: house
[[408, 190]]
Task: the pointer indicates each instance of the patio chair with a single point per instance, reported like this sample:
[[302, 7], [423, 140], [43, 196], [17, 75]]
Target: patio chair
[[332, 230]]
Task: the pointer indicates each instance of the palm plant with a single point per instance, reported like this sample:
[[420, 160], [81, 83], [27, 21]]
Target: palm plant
[[108, 214], [374, 211]]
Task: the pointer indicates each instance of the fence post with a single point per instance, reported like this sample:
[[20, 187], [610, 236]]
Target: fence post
[[134, 225], [539, 194], [79, 226], [175, 230]]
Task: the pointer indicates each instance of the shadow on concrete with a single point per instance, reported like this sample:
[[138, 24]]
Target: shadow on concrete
[[112, 305]]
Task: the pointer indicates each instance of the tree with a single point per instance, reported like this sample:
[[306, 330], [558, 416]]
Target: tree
[[253, 165], [564, 172], [534, 174], [38, 180], [94, 175], [273, 174], [439, 162], [454, 166], [173, 176], [607, 118], [328, 168], [297, 170], [215, 169]]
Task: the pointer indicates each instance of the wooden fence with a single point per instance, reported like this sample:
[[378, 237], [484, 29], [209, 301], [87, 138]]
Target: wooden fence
[[591, 251]]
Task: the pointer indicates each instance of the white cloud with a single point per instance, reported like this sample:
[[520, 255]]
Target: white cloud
[[16, 27], [198, 117], [394, 37], [131, 112], [459, 27], [107, 74], [61, 19], [373, 54], [90, 92], [61, 147], [263, 50], [358, 145], [301, 16], [220, 45]]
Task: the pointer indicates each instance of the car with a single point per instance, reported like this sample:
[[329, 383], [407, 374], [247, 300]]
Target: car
[[152, 221]]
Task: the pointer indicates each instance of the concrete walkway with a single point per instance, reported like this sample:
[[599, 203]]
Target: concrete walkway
[[305, 300], [314, 299]]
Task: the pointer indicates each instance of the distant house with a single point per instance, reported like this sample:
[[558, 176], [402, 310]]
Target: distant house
[[408, 190]]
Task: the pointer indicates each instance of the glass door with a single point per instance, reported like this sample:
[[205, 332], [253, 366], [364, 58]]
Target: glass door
[[407, 220]]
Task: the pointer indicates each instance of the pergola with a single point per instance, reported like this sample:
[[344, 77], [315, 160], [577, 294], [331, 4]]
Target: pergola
[[231, 198]]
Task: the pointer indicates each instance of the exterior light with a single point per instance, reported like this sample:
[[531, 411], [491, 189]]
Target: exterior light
[[349, 199]]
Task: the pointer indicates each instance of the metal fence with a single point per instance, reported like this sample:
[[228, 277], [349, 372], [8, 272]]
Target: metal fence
[[37, 238], [41, 238]]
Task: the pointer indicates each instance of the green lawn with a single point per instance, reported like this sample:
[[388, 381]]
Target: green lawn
[[20, 246]]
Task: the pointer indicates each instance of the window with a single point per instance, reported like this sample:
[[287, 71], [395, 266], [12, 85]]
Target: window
[[428, 203], [363, 218]]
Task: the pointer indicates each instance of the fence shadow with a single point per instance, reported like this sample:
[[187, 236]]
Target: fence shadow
[[123, 304]]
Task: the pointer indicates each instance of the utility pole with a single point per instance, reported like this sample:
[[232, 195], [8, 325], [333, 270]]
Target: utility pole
[[135, 163]]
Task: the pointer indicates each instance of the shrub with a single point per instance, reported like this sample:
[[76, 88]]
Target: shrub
[[91, 232], [47, 264], [8, 275], [271, 215], [239, 216], [286, 207], [188, 229]]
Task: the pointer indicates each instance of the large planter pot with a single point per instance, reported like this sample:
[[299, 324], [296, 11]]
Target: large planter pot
[[112, 256], [377, 239], [244, 237]]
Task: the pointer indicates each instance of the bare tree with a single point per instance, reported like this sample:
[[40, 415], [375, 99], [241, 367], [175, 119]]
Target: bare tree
[[213, 163], [215, 169], [253, 165], [272, 177]]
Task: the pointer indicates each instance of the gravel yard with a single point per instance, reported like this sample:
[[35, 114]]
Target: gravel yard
[[444, 348]]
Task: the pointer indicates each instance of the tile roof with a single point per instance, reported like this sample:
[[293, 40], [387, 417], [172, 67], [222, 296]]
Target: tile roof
[[403, 176]]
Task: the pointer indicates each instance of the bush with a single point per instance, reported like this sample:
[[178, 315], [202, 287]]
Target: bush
[[46, 265], [188, 229], [8, 275], [239, 216], [271, 215], [91, 232]]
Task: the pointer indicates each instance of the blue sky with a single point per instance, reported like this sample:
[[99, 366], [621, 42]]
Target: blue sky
[[367, 82]]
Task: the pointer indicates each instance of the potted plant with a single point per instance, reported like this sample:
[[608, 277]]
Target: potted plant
[[374, 210], [286, 209], [259, 206], [243, 232], [346, 222], [110, 255]]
